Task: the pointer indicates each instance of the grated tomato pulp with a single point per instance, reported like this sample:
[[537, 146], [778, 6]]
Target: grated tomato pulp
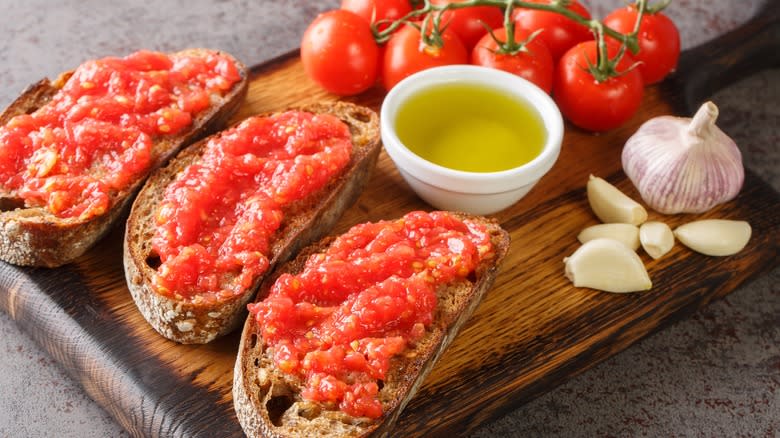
[[218, 218], [369, 296], [95, 137]]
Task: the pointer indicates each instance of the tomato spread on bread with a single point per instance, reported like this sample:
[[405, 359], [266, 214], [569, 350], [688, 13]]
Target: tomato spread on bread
[[96, 135], [217, 221], [370, 295]]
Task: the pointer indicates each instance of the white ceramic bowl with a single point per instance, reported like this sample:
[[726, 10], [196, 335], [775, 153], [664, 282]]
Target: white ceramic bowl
[[470, 192]]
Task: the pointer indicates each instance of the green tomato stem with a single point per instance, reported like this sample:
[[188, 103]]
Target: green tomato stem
[[603, 66], [641, 7], [658, 7]]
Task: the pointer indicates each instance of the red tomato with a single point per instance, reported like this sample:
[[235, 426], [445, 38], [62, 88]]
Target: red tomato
[[559, 33], [467, 23], [339, 52], [534, 63], [405, 54], [375, 10], [592, 105], [659, 41]]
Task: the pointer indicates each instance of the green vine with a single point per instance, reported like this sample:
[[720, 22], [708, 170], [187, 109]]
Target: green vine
[[604, 67]]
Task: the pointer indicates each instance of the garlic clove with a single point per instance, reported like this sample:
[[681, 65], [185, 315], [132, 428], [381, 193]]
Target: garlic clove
[[611, 205], [626, 234], [684, 165], [656, 238], [714, 237], [607, 265]]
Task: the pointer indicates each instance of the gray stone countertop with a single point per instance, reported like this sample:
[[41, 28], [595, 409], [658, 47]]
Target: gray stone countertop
[[715, 373]]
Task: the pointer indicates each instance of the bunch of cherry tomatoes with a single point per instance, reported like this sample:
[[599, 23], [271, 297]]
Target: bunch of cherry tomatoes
[[584, 64]]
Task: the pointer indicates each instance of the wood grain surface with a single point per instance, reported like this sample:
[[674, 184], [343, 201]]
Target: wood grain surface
[[531, 333]]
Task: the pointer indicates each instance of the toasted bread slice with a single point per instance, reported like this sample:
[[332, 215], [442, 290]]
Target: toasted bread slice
[[268, 402], [36, 237], [305, 221]]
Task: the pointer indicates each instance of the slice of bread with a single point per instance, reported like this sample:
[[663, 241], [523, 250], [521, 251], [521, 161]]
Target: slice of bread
[[36, 237], [305, 221], [268, 402]]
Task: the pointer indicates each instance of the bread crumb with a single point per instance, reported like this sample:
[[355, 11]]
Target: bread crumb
[[185, 326]]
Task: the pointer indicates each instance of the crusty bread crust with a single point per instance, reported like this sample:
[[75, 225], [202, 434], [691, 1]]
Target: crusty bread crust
[[305, 221], [36, 237], [268, 402]]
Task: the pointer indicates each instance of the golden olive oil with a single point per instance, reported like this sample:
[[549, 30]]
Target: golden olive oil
[[470, 127]]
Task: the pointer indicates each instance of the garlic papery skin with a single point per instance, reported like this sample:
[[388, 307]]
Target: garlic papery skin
[[607, 265], [656, 238], [626, 234], [684, 165], [714, 237]]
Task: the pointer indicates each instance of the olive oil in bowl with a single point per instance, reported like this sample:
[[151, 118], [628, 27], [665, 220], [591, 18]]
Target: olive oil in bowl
[[470, 127], [470, 138]]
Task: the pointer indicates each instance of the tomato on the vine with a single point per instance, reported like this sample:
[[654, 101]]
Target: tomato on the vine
[[533, 62], [591, 104], [659, 41], [469, 23], [338, 52], [375, 11], [559, 33], [406, 54]]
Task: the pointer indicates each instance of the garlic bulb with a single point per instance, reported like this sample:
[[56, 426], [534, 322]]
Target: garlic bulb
[[683, 165]]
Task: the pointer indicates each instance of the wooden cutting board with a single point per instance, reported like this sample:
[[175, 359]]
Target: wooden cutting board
[[532, 332]]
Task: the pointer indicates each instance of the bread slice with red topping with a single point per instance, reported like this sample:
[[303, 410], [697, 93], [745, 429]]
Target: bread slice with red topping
[[34, 236], [269, 401], [187, 320]]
